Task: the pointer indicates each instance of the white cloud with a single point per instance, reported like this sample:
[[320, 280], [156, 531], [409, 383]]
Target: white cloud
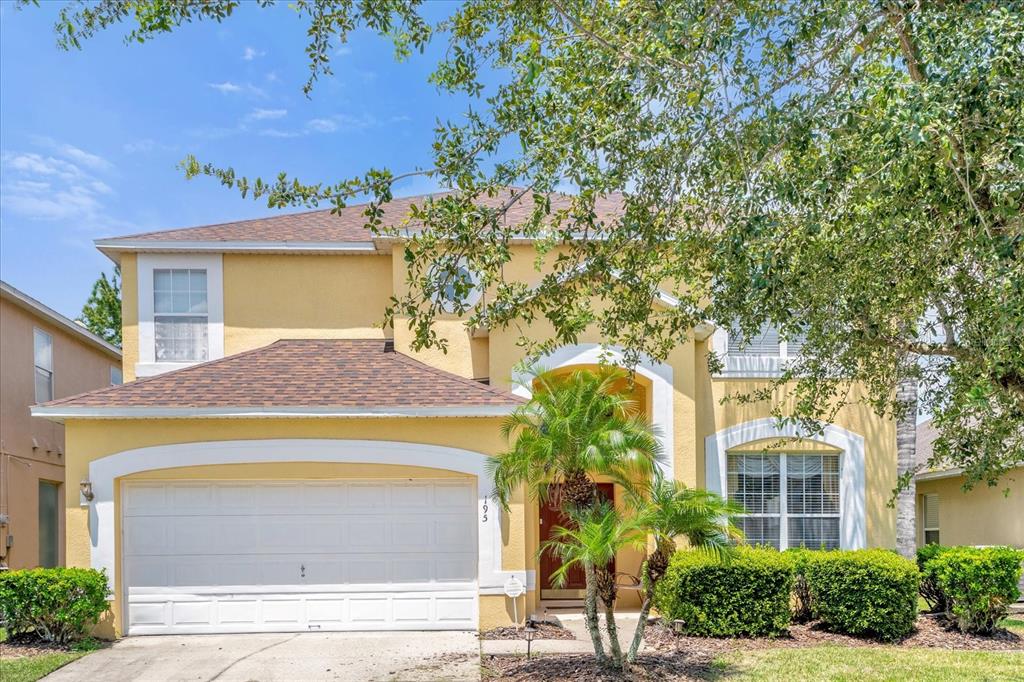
[[225, 87], [266, 114], [42, 187], [274, 132], [342, 50], [321, 125], [251, 53]]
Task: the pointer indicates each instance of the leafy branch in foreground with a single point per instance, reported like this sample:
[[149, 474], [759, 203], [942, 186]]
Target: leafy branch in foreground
[[851, 171]]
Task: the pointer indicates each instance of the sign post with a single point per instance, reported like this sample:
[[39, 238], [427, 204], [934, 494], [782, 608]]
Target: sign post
[[514, 588]]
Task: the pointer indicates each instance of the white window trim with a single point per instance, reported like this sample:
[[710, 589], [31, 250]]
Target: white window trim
[[749, 366], [147, 263], [49, 337], [784, 514], [658, 373], [852, 504]]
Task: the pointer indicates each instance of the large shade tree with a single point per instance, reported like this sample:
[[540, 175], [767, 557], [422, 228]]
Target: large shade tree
[[848, 169]]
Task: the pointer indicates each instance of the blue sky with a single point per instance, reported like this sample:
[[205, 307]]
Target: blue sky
[[90, 140]]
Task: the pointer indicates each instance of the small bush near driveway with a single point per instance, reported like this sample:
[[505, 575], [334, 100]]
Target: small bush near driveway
[[55, 604], [748, 595], [930, 589], [864, 592], [978, 584]]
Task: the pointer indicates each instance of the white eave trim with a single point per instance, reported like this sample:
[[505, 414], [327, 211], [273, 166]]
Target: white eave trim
[[939, 474], [58, 413], [152, 245]]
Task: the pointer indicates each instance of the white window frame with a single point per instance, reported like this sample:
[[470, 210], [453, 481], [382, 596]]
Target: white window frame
[[784, 514], [36, 334], [853, 531], [925, 528], [750, 366], [147, 263]]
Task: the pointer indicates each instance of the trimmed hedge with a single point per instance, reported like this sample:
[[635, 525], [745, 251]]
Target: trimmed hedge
[[801, 600], [56, 604], [746, 595], [864, 592], [978, 584], [930, 589]]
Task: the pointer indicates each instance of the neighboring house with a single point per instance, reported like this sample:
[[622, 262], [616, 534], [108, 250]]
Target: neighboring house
[[279, 462], [43, 355], [947, 515]]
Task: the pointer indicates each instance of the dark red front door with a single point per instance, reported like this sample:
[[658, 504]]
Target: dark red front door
[[550, 518]]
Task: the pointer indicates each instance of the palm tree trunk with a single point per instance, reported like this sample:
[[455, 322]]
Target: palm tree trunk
[[613, 634], [590, 613], [906, 455], [641, 626]]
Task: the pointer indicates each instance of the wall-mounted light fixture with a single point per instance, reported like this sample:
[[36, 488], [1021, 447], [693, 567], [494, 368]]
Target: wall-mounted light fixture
[[86, 489]]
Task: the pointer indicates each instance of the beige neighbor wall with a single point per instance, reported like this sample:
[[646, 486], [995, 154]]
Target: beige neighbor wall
[[983, 515], [91, 440], [32, 449]]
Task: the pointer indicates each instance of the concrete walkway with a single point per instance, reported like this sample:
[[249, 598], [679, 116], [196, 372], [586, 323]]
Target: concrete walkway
[[378, 656], [626, 624]]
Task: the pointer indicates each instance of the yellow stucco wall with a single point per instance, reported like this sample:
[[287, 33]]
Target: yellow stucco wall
[[90, 440], [129, 315], [981, 516]]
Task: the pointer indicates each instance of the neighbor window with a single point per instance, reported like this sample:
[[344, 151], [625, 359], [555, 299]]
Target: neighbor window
[[789, 500], [116, 378], [43, 344], [764, 342], [49, 524], [931, 519], [181, 317]]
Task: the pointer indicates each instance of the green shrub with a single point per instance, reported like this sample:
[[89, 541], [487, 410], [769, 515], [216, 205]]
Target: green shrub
[[979, 584], [800, 602], [930, 589], [864, 592], [747, 595], [57, 604]]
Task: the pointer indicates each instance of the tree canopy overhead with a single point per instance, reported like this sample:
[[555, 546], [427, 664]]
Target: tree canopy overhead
[[848, 169]]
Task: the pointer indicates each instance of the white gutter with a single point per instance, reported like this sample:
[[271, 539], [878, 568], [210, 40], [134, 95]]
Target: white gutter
[[58, 413], [936, 475], [151, 245]]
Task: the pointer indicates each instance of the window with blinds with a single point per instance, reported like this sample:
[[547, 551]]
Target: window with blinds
[[181, 329], [764, 342], [789, 500], [931, 518]]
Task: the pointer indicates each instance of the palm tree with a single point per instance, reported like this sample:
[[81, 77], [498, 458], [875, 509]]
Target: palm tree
[[596, 535], [670, 510], [575, 427]]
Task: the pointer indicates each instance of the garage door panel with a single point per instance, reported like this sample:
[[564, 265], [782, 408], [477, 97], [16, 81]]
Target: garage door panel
[[296, 556]]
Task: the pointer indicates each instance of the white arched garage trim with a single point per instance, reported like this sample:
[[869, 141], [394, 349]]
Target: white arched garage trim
[[853, 515], [658, 373], [104, 471]]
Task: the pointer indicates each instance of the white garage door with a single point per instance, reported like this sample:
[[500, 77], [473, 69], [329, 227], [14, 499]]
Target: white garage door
[[248, 556]]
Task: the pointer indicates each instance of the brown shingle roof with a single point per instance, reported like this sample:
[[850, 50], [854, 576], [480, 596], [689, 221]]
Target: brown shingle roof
[[347, 225], [350, 377], [926, 435]]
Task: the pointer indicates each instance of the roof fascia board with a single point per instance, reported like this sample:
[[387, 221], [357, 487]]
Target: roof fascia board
[[59, 413], [182, 245]]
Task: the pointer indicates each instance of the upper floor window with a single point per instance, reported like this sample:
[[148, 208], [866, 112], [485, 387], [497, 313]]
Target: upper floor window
[[180, 315], [43, 352], [116, 378], [764, 342], [790, 500]]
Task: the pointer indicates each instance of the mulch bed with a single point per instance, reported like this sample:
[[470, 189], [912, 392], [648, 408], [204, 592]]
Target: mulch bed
[[677, 657], [931, 632], [21, 646], [581, 668], [545, 630]]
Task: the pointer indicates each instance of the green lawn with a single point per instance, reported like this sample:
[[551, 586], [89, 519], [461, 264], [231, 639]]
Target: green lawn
[[869, 664], [31, 668]]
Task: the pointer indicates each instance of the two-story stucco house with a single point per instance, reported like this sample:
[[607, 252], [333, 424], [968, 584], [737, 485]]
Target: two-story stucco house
[[277, 461], [43, 355]]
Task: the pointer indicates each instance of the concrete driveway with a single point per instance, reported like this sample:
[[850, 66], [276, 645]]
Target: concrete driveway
[[278, 657]]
